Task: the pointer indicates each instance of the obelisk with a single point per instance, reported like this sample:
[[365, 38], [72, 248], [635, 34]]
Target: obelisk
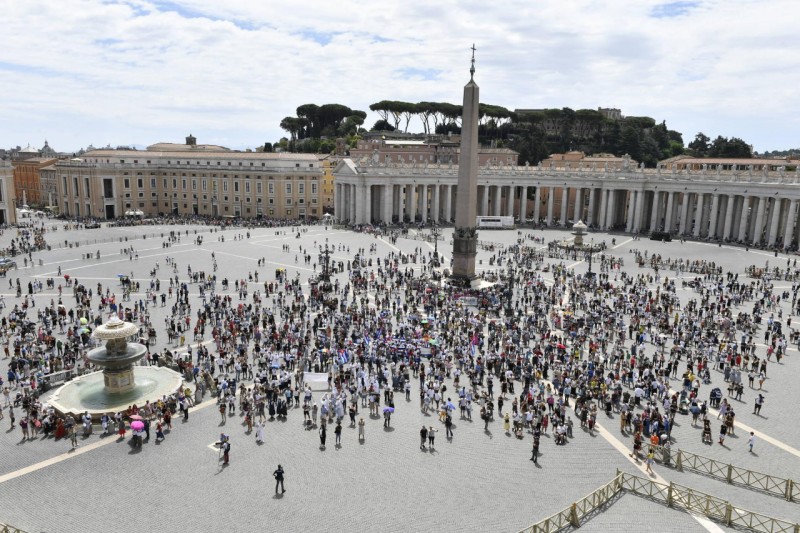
[[465, 236]]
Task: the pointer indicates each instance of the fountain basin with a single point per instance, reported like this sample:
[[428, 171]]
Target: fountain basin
[[89, 392]]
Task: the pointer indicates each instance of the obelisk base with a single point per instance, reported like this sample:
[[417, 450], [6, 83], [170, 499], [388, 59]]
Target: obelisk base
[[465, 248]]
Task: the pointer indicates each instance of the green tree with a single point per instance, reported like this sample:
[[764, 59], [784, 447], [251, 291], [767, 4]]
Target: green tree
[[700, 145]]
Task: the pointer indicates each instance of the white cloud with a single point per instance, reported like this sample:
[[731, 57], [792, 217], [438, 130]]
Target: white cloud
[[137, 72]]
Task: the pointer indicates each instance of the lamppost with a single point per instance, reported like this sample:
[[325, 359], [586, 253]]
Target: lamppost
[[326, 272], [435, 232], [510, 290], [589, 254]]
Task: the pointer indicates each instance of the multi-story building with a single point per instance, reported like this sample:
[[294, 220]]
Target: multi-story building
[[326, 198], [27, 178], [8, 213], [189, 179], [421, 149]]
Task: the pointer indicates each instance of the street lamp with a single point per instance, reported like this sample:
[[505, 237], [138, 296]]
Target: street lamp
[[435, 232], [510, 290]]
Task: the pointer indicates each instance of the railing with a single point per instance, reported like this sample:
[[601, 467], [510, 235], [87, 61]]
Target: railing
[[9, 529], [773, 485], [673, 495], [572, 515], [694, 501]]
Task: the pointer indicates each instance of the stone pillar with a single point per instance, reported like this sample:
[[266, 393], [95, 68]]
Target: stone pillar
[[465, 235], [640, 202], [775, 214], [523, 204], [388, 201], [757, 231], [713, 222], [337, 200], [684, 213], [698, 215], [424, 207], [564, 202], [497, 200], [484, 201], [510, 201], [670, 208], [435, 206], [631, 212], [537, 202], [590, 215], [788, 232], [730, 204], [577, 211], [610, 218], [353, 204], [743, 219], [603, 204], [654, 218], [448, 204], [411, 202], [366, 210], [550, 206]]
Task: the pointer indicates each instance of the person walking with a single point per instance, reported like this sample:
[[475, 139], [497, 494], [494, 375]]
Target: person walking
[[337, 431], [222, 412], [423, 434], [322, 435], [431, 436], [361, 429], [278, 475], [226, 450], [751, 441], [448, 426], [73, 437], [649, 462], [260, 431]]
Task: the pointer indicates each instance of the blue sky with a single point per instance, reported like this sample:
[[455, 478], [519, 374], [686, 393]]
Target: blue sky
[[136, 72]]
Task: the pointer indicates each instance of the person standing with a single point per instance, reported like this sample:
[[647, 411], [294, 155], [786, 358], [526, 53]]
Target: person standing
[[649, 462], [423, 434], [278, 475], [448, 426], [751, 441], [73, 437], [226, 450], [759, 403], [337, 431], [535, 451], [322, 435], [361, 429], [260, 431], [431, 436]]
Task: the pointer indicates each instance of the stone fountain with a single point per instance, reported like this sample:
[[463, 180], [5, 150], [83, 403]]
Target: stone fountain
[[120, 383]]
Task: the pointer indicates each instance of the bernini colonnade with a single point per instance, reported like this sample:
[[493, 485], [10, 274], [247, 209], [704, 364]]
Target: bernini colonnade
[[758, 207]]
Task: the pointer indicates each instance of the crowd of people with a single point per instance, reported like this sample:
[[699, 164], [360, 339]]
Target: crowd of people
[[559, 346]]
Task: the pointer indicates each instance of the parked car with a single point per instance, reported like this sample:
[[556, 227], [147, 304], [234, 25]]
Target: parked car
[[7, 264]]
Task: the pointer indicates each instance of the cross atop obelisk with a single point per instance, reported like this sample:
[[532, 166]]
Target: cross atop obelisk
[[465, 236], [472, 65]]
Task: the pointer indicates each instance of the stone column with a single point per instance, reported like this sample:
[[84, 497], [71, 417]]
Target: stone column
[[730, 204], [590, 215], [448, 204], [654, 218], [484, 201], [698, 215], [353, 204], [435, 206], [603, 204], [775, 214], [537, 202], [411, 202], [388, 201], [684, 213], [337, 200], [424, 204], [366, 210], [497, 200], [788, 232], [757, 231], [564, 202], [577, 211], [523, 204], [713, 222], [610, 218], [668, 215], [510, 201], [550, 205], [743, 219], [631, 212]]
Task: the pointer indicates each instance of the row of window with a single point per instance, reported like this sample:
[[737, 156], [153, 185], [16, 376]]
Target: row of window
[[301, 188], [197, 163]]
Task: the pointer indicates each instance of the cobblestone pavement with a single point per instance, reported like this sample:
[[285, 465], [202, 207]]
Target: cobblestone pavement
[[481, 481]]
